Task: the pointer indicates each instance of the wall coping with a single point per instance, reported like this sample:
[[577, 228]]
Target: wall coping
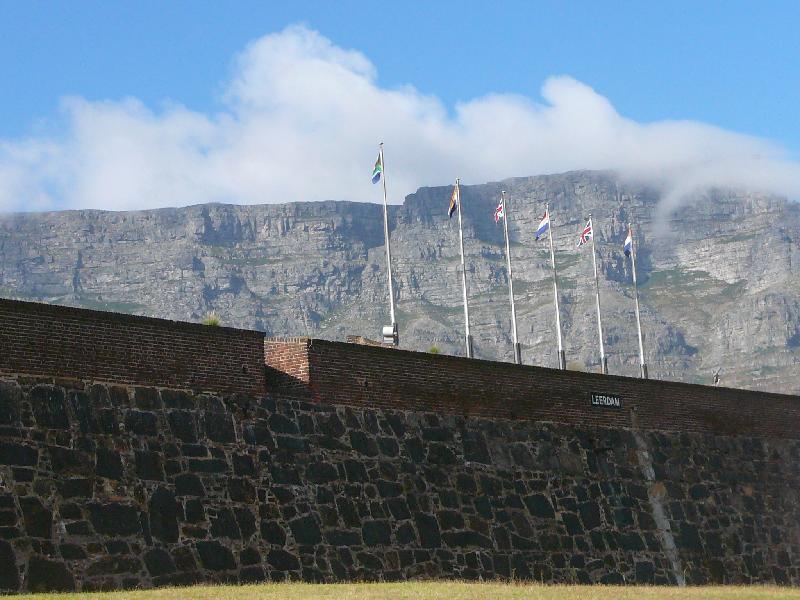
[[59, 310], [590, 377]]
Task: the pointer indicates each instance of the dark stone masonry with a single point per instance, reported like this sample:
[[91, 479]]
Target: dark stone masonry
[[116, 485]]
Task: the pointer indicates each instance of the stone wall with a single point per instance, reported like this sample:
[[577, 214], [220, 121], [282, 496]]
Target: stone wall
[[106, 486], [355, 463]]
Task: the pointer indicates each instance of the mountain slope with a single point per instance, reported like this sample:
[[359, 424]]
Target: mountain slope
[[719, 281]]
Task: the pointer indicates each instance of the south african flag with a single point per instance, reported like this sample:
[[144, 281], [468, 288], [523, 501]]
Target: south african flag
[[378, 170]]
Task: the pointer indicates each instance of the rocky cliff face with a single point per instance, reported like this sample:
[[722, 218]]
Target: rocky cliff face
[[719, 281]]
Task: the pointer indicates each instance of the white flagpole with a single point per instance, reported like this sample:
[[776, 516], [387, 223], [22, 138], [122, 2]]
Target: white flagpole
[[467, 336], [603, 360], [394, 332], [642, 364], [517, 348], [562, 360]]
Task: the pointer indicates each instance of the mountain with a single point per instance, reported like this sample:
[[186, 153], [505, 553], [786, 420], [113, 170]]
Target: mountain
[[719, 279]]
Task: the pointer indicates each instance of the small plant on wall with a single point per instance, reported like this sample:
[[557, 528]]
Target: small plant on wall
[[211, 319]]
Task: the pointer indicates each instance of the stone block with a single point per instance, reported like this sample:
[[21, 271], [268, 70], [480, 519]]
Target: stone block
[[189, 484], [258, 434], [305, 530], [141, 422], [539, 506], [284, 475], [280, 424], [146, 398], [66, 461], [163, 515], [37, 518], [49, 407], [441, 454], [363, 443], [194, 511], [689, 538], [241, 490], [249, 556], [117, 547], [355, 471], [45, 575], [388, 447], [115, 565], [115, 519], [243, 465], [428, 529], [273, 533], [9, 573], [475, 448], [182, 425], [184, 558], [159, 562], [398, 508], [340, 537], [224, 525], [590, 514], [219, 427], [331, 425], [108, 464], [211, 465], [644, 573], [215, 556], [177, 399], [376, 533], [149, 465], [18, 454], [321, 472], [253, 574], [10, 398], [246, 522], [282, 560]]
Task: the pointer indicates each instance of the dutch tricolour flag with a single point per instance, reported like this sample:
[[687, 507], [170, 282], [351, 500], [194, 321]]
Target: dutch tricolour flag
[[628, 243], [544, 225]]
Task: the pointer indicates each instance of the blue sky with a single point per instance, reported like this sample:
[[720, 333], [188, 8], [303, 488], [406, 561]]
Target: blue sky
[[730, 65]]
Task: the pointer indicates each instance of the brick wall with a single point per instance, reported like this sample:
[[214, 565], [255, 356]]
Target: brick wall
[[287, 368], [57, 341], [376, 377]]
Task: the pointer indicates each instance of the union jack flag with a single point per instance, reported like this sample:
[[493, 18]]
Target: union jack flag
[[498, 213], [586, 234]]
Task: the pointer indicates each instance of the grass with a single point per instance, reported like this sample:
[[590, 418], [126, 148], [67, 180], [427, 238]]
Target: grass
[[446, 590], [228, 255], [677, 290], [211, 319], [738, 237]]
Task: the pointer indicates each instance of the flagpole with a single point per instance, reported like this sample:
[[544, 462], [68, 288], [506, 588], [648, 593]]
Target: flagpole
[[562, 360], [603, 360], [517, 348], [467, 336], [394, 333], [642, 364]]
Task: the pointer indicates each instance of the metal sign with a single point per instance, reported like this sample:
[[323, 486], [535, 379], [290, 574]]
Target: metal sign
[[606, 400]]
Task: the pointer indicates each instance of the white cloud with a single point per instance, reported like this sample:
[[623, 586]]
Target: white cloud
[[302, 119]]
